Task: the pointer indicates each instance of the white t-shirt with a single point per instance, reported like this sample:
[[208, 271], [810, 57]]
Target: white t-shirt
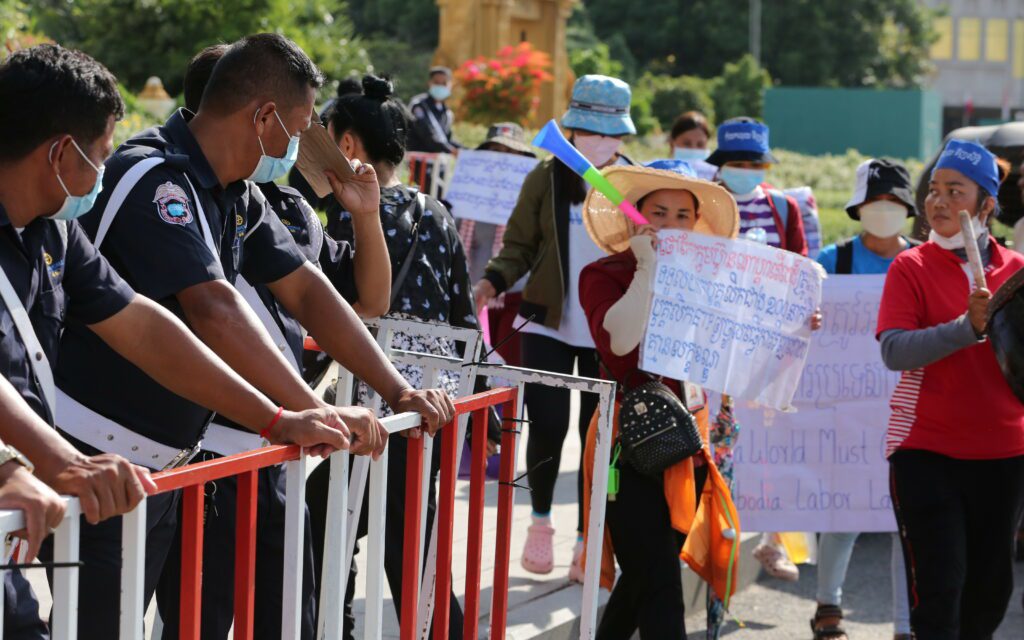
[[573, 329]]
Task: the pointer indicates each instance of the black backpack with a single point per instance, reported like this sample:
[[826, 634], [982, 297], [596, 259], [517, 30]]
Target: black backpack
[[844, 255]]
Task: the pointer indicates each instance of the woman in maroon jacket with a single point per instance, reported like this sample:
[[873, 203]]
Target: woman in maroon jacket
[[647, 519]]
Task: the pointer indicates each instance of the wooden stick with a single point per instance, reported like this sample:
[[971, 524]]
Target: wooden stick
[[971, 245]]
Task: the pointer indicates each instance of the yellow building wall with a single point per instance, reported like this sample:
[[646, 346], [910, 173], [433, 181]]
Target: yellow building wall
[[942, 48]]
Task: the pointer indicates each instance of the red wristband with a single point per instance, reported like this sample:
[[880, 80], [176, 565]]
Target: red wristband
[[265, 434]]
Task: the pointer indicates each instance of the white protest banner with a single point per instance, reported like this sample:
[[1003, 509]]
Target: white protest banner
[[486, 184], [823, 468], [731, 315]]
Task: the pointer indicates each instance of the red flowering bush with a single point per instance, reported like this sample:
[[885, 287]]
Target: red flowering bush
[[505, 88]]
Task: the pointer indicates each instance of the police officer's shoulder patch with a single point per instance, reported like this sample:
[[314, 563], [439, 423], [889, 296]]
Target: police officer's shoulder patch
[[172, 204]]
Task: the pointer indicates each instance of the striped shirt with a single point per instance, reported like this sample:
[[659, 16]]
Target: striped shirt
[[755, 211]]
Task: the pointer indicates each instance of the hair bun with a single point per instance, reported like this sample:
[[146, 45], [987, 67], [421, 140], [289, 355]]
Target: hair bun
[[377, 87]]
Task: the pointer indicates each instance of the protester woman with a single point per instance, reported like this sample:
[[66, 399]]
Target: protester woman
[[956, 434], [482, 241], [688, 141], [882, 201], [430, 282], [545, 236], [743, 158], [647, 518]]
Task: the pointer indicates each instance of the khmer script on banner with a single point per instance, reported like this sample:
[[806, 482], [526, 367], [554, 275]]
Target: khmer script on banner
[[486, 185], [731, 315]]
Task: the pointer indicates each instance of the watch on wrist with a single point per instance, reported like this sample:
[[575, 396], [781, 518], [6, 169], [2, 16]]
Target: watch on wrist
[[9, 454]]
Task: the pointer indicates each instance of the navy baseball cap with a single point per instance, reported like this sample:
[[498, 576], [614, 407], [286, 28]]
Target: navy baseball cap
[[972, 160], [742, 140]]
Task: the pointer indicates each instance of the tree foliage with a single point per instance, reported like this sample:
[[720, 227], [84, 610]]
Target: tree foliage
[[412, 22], [848, 43], [739, 91], [136, 39]]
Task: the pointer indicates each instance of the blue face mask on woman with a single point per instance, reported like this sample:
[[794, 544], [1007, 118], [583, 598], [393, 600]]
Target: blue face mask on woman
[[689, 154], [78, 206], [741, 181], [270, 168]]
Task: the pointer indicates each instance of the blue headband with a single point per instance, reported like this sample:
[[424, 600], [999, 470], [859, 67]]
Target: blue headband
[[678, 166], [972, 160], [743, 136]]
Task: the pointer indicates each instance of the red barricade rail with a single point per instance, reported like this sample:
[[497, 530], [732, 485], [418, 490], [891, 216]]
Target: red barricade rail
[[192, 478]]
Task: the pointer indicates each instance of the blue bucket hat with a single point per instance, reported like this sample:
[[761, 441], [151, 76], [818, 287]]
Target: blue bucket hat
[[600, 105], [742, 140], [974, 161]]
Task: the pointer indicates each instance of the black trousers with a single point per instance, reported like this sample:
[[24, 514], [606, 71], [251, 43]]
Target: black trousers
[[649, 592], [548, 410], [219, 563], [394, 529], [957, 521], [99, 578], [21, 610]]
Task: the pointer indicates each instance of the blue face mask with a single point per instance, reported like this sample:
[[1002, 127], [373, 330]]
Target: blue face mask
[[440, 92], [689, 155], [270, 168], [78, 206], [741, 181]]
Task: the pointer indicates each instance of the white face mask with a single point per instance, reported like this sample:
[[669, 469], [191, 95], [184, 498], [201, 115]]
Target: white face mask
[[598, 149], [957, 241], [883, 218]]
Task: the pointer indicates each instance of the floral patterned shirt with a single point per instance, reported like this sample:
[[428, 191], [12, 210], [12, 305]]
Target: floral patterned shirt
[[437, 287]]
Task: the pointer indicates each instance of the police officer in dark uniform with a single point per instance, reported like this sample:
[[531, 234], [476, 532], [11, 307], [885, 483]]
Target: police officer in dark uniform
[[338, 261], [57, 113], [181, 222], [432, 119]]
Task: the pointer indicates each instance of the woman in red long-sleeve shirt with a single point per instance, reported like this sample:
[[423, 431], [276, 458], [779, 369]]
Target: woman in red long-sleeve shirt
[[648, 518]]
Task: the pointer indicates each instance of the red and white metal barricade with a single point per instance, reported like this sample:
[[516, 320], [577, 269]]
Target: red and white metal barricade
[[245, 466], [605, 391], [65, 579], [431, 172], [435, 583], [425, 596]]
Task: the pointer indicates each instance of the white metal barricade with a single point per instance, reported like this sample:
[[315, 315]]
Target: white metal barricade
[[519, 377], [65, 577], [344, 503], [352, 495]]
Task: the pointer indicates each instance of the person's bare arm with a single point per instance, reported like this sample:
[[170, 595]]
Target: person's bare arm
[[107, 485], [372, 262], [226, 324], [311, 299], [158, 343]]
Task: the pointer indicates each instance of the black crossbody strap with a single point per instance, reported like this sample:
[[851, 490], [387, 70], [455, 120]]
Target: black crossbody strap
[[403, 272], [844, 257]]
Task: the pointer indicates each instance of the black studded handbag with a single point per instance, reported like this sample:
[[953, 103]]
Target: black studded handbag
[[656, 430]]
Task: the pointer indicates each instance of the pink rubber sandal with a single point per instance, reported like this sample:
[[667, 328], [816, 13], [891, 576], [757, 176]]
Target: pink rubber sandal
[[776, 562], [539, 550]]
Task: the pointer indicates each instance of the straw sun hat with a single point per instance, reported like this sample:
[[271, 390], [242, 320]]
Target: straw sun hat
[[611, 230]]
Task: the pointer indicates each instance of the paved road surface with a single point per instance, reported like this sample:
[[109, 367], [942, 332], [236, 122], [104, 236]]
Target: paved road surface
[[775, 610]]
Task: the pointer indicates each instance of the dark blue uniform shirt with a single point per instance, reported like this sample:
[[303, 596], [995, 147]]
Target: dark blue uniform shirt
[[156, 244], [55, 282], [335, 258]]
